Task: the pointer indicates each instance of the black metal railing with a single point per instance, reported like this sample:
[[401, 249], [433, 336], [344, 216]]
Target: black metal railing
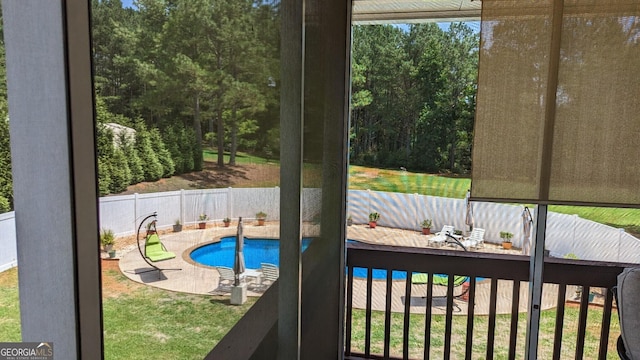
[[568, 339]]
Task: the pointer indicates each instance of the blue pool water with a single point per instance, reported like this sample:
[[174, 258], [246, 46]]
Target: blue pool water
[[255, 251], [258, 251]]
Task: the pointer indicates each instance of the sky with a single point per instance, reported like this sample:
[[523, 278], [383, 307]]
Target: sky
[[127, 3], [475, 25]]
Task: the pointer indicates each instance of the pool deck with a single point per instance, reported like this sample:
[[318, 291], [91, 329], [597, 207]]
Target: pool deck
[[199, 279]]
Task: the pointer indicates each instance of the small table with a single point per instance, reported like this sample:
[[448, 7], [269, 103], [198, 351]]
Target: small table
[[255, 274]]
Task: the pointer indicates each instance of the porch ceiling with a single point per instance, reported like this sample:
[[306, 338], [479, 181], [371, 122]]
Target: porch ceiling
[[414, 11]]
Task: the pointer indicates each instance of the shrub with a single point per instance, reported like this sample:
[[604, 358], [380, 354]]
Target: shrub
[[120, 173], [150, 164], [4, 204], [164, 157]]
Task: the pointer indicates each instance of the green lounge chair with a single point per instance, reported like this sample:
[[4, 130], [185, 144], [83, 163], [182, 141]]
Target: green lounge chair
[[155, 251], [442, 280]]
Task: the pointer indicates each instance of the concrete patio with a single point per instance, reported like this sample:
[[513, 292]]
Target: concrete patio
[[195, 278]]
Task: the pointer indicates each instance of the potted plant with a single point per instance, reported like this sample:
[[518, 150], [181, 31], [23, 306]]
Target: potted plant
[[261, 217], [202, 224], [373, 219], [506, 239], [107, 239], [177, 226], [426, 226], [226, 222], [349, 220]]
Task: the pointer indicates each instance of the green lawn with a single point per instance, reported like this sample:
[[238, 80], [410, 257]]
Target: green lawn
[[144, 323], [147, 321], [501, 343], [211, 155]]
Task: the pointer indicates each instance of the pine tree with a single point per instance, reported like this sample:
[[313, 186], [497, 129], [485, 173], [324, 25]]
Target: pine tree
[[120, 173], [164, 157], [150, 164], [133, 159]]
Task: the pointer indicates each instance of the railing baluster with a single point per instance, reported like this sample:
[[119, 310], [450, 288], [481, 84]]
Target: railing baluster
[[494, 267], [449, 319], [493, 299], [557, 338], [367, 326], [515, 307], [387, 314], [349, 314], [606, 323], [582, 322], [427, 318], [407, 316], [470, 315]]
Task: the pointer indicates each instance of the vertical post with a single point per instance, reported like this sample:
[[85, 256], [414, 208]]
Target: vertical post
[[291, 137], [535, 284], [135, 212], [48, 56], [182, 196], [229, 202]]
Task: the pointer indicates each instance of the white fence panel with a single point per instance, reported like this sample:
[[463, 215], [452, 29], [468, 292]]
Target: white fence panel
[[212, 202], [166, 205], [249, 201], [8, 250], [565, 233], [118, 213]]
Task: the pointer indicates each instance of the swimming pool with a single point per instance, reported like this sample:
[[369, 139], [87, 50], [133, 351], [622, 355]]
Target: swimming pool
[[257, 251]]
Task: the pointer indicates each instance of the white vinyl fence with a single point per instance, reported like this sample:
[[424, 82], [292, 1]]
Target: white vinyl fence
[[565, 233], [8, 251]]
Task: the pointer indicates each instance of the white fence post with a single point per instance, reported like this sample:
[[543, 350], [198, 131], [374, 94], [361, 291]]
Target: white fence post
[[135, 212]]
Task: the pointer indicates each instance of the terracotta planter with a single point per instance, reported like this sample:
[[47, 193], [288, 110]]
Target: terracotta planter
[[226, 223], [372, 224], [260, 222], [426, 231], [465, 291], [506, 245], [202, 225]]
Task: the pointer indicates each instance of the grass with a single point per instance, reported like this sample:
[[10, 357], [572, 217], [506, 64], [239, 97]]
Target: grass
[[502, 331], [181, 326], [143, 321], [629, 219], [9, 306], [362, 178], [211, 155]]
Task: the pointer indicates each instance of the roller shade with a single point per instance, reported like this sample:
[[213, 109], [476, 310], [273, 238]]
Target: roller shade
[[558, 106]]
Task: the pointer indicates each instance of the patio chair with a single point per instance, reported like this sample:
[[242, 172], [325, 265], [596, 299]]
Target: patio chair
[[153, 250], [627, 293], [270, 273], [441, 280], [227, 276], [441, 237], [475, 240]]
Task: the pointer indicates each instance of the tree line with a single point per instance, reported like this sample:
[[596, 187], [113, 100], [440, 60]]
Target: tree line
[[188, 73], [413, 96]]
